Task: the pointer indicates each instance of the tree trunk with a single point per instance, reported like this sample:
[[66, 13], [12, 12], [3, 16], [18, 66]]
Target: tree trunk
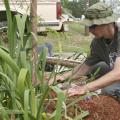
[[86, 31], [33, 14], [86, 27]]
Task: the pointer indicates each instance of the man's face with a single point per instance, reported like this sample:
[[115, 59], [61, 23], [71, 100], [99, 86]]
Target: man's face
[[98, 30]]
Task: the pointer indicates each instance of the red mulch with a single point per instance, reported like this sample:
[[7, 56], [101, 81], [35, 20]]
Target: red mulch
[[100, 108]]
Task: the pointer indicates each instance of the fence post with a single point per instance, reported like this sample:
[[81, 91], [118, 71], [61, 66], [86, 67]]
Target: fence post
[[33, 14]]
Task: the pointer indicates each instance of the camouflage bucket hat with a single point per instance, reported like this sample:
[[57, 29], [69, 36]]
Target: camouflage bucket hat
[[99, 14]]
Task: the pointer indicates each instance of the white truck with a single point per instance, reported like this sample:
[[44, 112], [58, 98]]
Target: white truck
[[49, 13]]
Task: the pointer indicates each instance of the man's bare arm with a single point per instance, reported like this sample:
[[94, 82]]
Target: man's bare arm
[[77, 72], [108, 79], [74, 74]]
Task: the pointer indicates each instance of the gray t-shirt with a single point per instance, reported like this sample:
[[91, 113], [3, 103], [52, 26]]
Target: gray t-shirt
[[104, 50]]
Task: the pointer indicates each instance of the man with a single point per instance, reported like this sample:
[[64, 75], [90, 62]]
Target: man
[[49, 47], [105, 53]]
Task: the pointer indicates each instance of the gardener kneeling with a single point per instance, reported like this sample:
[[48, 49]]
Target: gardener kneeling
[[48, 67], [105, 53]]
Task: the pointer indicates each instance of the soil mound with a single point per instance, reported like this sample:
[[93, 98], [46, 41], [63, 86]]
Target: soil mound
[[101, 108]]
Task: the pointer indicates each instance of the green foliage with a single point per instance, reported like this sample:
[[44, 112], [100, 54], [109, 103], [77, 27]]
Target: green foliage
[[11, 29], [21, 26], [72, 41], [61, 98], [77, 8], [18, 96]]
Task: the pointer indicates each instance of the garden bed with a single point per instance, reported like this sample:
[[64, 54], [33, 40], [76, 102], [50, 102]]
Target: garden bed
[[99, 108]]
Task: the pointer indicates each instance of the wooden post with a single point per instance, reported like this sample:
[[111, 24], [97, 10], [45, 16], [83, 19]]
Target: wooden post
[[33, 14]]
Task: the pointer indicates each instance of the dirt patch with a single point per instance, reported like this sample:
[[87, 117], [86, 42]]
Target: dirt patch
[[99, 108]]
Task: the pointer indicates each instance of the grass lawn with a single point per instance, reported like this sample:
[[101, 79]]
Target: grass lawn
[[72, 41]]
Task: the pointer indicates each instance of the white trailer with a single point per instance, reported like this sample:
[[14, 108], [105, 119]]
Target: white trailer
[[49, 13]]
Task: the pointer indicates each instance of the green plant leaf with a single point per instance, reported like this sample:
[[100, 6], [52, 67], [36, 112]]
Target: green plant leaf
[[21, 26], [3, 113], [6, 57], [22, 79], [33, 103], [82, 115], [11, 28], [61, 98], [26, 104]]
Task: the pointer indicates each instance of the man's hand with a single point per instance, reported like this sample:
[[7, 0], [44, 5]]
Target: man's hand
[[77, 90]]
